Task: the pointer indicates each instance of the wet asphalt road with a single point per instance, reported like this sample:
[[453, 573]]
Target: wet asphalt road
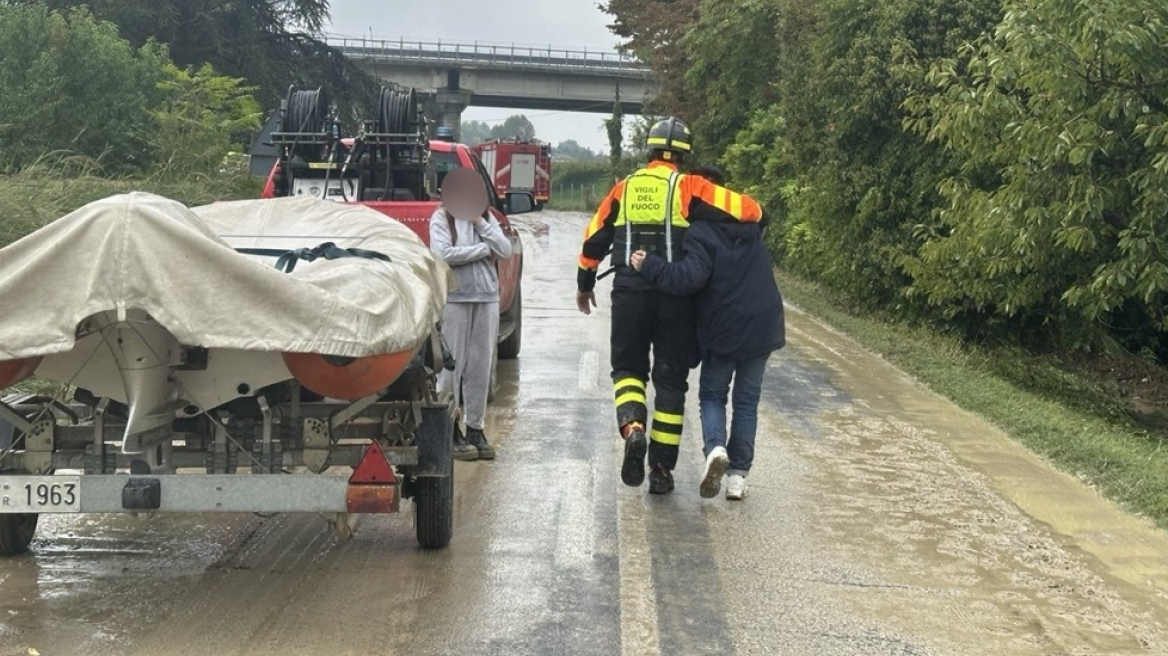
[[880, 520]]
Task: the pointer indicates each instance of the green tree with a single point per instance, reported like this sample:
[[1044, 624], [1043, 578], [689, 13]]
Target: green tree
[[615, 127], [733, 50], [515, 126], [653, 30], [71, 84], [474, 132], [202, 118], [760, 160], [774, 155], [270, 43], [639, 135], [1057, 215], [570, 149], [849, 179]]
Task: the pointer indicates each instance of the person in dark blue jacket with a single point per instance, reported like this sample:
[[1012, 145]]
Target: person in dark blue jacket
[[740, 323]]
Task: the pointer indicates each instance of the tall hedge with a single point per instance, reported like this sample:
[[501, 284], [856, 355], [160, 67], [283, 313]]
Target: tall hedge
[[1059, 214], [70, 84]]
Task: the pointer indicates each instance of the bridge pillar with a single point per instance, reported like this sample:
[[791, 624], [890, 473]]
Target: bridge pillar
[[449, 106]]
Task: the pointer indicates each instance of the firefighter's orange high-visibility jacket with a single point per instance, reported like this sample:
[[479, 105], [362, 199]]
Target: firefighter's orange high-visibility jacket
[[700, 199]]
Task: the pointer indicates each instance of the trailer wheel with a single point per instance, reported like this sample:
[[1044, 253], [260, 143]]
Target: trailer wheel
[[434, 510], [509, 348], [16, 532]]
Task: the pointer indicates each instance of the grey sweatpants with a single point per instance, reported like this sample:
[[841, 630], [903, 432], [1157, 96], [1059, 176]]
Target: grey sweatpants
[[470, 330]]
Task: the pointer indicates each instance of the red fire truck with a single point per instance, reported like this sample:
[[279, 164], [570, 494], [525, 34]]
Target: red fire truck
[[518, 165]]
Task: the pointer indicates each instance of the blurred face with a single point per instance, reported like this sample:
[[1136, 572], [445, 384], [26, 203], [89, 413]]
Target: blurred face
[[463, 194]]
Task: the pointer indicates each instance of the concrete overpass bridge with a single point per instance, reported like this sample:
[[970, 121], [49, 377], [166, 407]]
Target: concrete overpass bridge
[[453, 76]]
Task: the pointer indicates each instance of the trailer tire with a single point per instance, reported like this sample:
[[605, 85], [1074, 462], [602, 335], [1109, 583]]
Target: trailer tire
[[16, 532], [509, 348], [434, 510]]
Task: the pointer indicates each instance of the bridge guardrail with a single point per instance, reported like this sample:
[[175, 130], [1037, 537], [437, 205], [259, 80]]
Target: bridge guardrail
[[566, 59]]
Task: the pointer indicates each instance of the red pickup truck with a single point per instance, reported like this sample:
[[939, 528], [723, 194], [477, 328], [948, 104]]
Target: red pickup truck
[[412, 170]]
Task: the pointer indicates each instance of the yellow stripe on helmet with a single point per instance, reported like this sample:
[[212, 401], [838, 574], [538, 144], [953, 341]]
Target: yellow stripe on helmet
[[675, 144]]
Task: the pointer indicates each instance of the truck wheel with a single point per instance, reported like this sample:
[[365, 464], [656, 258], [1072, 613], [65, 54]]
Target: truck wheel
[[16, 532], [434, 510], [509, 348]]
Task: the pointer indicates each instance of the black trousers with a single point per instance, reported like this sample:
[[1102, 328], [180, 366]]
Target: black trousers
[[653, 338]]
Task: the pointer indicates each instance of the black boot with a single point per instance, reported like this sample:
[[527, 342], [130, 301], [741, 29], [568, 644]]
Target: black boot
[[660, 481], [633, 467], [479, 441], [463, 450]]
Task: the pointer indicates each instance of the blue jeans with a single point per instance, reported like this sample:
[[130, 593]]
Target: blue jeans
[[712, 394]]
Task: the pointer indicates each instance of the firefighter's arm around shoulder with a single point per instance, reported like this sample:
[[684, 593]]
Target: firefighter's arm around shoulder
[[681, 277], [703, 200], [598, 238]]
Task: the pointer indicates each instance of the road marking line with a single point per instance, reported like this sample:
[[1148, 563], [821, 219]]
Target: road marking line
[[574, 539], [588, 371], [639, 632]]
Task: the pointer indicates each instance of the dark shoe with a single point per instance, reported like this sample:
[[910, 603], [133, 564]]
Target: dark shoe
[[660, 481], [479, 442], [633, 468], [463, 450]]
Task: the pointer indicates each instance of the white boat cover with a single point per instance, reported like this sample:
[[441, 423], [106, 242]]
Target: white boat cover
[[142, 251]]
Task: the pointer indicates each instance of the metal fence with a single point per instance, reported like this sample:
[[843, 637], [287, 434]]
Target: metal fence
[[577, 196], [516, 56]]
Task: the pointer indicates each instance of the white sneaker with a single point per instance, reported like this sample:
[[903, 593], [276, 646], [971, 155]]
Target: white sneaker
[[716, 464], [736, 487]]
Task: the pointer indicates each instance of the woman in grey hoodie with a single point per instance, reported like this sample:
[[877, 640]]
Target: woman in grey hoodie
[[470, 321]]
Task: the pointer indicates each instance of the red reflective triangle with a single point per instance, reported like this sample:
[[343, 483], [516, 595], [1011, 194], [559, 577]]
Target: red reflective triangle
[[374, 467]]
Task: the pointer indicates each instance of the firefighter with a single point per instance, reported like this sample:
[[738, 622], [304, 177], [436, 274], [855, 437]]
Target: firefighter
[[650, 210]]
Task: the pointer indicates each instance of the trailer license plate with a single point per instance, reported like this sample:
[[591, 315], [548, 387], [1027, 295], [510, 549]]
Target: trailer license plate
[[21, 494]]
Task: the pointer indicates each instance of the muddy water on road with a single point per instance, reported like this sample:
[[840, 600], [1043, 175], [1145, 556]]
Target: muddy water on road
[[94, 581], [881, 520], [963, 536]]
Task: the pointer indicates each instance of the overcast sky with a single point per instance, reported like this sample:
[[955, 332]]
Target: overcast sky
[[560, 23]]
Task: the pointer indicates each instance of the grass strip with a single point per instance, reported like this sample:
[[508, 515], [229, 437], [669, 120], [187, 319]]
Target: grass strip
[[37, 196], [1073, 422]]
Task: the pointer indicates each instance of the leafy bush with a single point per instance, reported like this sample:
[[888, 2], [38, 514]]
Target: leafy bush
[[202, 117], [581, 173], [74, 91], [1057, 215], [72, 85]]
